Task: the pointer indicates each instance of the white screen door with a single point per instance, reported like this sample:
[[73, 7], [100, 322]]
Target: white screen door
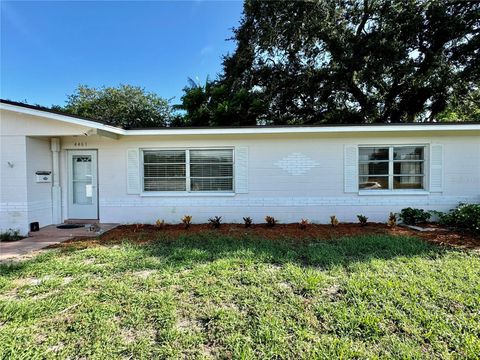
[[82, 184]]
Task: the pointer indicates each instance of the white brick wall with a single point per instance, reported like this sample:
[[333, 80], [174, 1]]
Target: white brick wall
[[288, 209], [288, 193]]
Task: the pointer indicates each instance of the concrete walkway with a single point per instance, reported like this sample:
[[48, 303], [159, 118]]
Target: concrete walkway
[[47, 236]]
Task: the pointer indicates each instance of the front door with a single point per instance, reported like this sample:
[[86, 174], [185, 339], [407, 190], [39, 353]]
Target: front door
[[82, 184]]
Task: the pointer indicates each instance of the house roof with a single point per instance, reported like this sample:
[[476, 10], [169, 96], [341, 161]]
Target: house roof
[[45, 109], [36, 110]]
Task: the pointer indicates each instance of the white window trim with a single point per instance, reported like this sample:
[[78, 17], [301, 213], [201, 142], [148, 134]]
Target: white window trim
[[397, 192], [188, 192]]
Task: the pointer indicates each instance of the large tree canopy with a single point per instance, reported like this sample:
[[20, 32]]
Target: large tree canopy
[[344, 61], [124, 106]]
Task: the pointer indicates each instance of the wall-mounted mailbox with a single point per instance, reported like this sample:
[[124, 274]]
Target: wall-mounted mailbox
[[43, 176]]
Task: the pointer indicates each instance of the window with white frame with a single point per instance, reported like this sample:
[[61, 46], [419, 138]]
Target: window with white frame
[[391, 167], [191, 170]]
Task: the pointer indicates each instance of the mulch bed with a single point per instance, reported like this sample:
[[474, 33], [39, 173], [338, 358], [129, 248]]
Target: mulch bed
[[143, 233]]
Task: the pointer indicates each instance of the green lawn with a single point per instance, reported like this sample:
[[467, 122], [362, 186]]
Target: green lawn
[[204, 296]]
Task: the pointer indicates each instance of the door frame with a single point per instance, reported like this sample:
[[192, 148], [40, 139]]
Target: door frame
[[70, 153]]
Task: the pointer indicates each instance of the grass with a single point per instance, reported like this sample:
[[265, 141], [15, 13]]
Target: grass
[[207, 295]]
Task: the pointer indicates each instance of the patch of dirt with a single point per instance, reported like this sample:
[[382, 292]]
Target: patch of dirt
[[333, 292], [186, 324], [56, 348], [209, 350], [144, 233], [28, 281], [89, 261], [143, 274], [11, 295], [130, 335]]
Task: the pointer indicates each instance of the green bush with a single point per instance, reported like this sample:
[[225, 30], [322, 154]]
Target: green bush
[[464, 216], [411, 216], [10, 235]]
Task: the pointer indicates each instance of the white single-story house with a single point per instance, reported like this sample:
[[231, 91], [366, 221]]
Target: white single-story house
[[56, 167]]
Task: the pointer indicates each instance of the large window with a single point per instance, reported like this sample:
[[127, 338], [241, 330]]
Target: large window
[[391, 167], [188, 170]]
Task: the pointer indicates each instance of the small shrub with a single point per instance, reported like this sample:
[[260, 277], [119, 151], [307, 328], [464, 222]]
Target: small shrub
[[160, 224], [187, 221], [334, 221], [10, 235], [362, 219], [411, 216], [270, 220], [464, 216], [303, 224], [215, 221], [247, 221], [392, 220]]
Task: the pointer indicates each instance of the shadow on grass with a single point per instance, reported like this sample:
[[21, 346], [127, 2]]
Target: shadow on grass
[[194, 249], [322, 253]]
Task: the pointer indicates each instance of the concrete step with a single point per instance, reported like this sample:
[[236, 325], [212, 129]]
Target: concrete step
[[81, 221]]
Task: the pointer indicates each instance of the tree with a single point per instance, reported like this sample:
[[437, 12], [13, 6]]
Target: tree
[[464, 108], [216, 104], [125, 106], [350, 61]]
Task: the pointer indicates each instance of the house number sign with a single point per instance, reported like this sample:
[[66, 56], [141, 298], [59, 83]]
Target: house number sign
[[80, 143]]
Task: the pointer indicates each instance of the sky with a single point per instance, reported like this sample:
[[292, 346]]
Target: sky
[[49, 48]]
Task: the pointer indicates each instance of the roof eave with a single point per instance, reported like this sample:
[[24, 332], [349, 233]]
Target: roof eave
[[325, 129], [306, 130], [63, 118]]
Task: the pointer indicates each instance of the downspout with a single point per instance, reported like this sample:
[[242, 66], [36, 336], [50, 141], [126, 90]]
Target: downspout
[[56, 189]]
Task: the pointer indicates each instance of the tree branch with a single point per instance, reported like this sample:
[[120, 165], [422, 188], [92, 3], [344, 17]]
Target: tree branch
[[364, 20]]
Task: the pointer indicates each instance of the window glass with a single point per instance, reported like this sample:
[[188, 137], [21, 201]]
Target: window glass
[[164, 170], [408, 153], [408, 182], [212, 184], [374, 168], [211, 156], [373, 153], [164, 184], [188, 170], [164, 156], [211, 170], [406, 168], [373, 182], [391, 168]]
